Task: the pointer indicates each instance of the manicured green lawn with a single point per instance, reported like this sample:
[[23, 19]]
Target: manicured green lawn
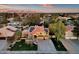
[[22, 46]]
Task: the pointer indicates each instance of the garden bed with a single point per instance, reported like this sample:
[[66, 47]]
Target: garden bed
[[58, 45], [22, 46]]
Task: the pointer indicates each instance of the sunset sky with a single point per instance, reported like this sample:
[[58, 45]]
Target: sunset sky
[[43, 7], [47, 5]]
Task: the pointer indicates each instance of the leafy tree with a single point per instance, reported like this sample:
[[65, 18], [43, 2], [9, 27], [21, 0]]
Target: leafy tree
[[18, 34], [58, 29], [76, 28], [4, 18], [31, 20], [54, 17], [46, 24]]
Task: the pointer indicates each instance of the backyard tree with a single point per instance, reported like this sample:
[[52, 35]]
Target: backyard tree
[[31, 20], [4, 19], [35, 18], [52, 26], [58, 29]]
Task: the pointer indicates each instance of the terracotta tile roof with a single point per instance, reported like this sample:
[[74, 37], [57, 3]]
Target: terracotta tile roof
[[69, 28], [38, 29], [4, 32]]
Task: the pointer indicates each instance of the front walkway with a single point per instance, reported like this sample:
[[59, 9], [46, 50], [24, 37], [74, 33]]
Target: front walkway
[[71, 45], [46, 46]]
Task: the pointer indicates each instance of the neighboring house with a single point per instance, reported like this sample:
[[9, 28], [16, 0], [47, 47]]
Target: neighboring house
[[10, 19], [7, 32], [69, 33], [38, 32], [63, 18], [14, 24], [69, 27], [74, 15]]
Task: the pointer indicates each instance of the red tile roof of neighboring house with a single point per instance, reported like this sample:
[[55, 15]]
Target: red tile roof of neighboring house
[[38, 29], [69, 28], [4, 32]]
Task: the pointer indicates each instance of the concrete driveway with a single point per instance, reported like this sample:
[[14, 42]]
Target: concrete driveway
[[46, 46], [3, 44], [71, 45]]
